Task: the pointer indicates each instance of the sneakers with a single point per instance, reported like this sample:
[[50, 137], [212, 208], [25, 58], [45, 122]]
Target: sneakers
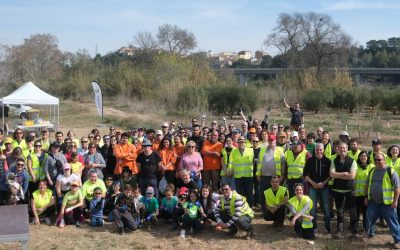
[[232, 231], [191, 231], [182, 233], [78, 224], [249, 235], [47, 220]]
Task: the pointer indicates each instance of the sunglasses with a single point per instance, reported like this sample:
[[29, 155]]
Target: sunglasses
[[84, 141], [225, 189], [256, 141], [38, 146], [191, 146], [146, 146], [21, 165], [378, 160], [97, 193]]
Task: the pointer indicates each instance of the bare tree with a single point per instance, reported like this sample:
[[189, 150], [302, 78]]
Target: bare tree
[[176, 40], [145, 41], [309, 39]]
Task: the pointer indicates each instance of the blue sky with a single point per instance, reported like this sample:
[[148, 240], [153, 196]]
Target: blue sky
[[219, 25]]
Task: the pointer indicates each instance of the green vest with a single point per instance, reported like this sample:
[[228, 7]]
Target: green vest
[[246, 210], [387, 187], [242, 165], [361, 179], [395, 166], [21, 144], [277, 159], [273, 200], [352, 155], [295, 166], [328, 151], [298, 206], [37, 168]]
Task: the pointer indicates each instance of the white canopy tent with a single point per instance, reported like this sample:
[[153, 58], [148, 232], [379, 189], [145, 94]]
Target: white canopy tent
[[29, 93]]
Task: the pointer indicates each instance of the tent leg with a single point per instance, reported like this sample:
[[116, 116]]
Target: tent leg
[[58, 116]]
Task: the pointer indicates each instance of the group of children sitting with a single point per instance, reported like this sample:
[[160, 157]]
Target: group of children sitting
[[129, 210]]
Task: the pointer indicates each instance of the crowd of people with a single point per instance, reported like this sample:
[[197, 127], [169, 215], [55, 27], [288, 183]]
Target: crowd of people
[[197, 176]]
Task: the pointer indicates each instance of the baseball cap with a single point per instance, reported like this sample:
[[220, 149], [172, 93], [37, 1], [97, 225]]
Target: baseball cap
[[295, 133], [376, 142], [150, 190], [344, 133], [66, 166], [271, 137], [8, 140], [241, 138], [236, 131], [183, 191], [252, 130], [159, 132], [55, 144], [165, 124], [146, 142]]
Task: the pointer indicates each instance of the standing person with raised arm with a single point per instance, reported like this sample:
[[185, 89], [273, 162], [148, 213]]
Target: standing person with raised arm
[[297, 119]]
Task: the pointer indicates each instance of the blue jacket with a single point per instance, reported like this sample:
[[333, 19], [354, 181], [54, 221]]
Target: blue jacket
[[23, 179], [96, 209]]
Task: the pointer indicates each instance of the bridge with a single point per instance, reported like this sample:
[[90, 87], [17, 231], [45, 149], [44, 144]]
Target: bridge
[[244, 73]]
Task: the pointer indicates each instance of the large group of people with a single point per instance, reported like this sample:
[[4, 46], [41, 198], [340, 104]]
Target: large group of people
[[197, 176]]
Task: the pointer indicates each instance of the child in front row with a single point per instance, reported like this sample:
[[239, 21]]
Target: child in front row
[[168, 203], [193, 215], [96, 208], [150, 205]]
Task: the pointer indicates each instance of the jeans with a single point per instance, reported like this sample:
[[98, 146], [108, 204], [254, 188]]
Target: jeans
[[256, 197], [96, 221], [230, 181], [346, 201], [323, 196], [243, 222], [244, 186], [374, 211], [265, 183], [188, 222]]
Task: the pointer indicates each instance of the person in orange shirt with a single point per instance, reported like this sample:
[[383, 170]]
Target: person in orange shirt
[[168, 157], [211, 152], [126, 155], [179, 149], [157, 140]]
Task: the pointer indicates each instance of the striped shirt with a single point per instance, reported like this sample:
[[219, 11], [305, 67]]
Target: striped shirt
[[237, 212]]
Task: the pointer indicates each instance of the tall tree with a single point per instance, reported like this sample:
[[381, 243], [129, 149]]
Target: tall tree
[[37, 59], [309, 39], [176, 40], [145, 41]]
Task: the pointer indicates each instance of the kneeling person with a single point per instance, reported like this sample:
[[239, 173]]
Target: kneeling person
[[124, 207], [233, 212], [276, 198]]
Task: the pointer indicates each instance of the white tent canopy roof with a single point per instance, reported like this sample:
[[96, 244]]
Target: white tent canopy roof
[[30, 94]]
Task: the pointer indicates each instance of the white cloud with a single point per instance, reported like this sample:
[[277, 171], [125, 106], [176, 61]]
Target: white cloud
[[357, 5]]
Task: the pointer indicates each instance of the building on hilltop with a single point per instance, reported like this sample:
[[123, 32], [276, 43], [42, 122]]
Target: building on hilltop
[[245, 54], [127, 50]]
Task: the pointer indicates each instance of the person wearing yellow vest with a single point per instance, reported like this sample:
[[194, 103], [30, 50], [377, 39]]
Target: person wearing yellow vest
[[19, 140], [328, 149], [316, 173], [42, 204], [363, 168], [354, 151], [226, 172], [393, 154], [300, 206], [241, 163], [233, 212], [376, 149], [271, 162], [29, 147], [45, 139], [343, 170], [383, 189], [35, 162], [295, 160], [276, 198]]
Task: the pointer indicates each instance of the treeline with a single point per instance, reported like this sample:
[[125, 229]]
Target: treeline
[[352, 98]]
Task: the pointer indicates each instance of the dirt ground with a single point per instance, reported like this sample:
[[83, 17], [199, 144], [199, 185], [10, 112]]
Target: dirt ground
[[82, 117]]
